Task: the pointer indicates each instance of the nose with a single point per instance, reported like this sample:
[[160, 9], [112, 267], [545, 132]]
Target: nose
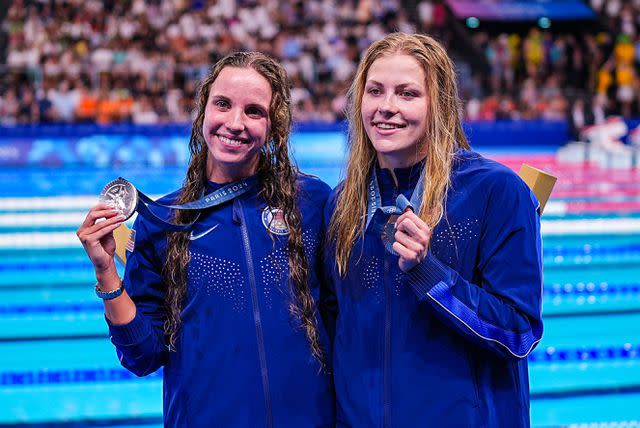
[[388, 106], [235, 121]]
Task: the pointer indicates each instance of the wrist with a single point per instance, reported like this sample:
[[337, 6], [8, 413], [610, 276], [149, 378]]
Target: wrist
[[108, 278], [109, 294]]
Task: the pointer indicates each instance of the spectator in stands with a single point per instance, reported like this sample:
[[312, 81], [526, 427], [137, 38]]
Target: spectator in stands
[[170, 46], [28, 108], [534, 53], [65, 100], [87, 109], [578, 118], [625, 75], [47, 113], [9, 106], [143, 112]]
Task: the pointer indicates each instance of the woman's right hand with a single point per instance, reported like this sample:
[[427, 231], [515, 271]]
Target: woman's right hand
[[97, 237]]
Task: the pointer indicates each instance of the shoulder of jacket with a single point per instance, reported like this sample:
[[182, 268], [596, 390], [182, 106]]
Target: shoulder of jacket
[[487, 172], [313, 188]]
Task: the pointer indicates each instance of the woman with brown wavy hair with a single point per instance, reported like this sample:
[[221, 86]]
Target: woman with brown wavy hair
[[228, 307], [433, 257]]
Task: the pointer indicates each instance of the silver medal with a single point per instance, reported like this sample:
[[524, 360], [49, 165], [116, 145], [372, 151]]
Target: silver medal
[[122, 194]]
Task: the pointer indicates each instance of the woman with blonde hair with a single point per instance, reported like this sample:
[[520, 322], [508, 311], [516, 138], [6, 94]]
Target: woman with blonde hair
[[433, 257], [227, 306]]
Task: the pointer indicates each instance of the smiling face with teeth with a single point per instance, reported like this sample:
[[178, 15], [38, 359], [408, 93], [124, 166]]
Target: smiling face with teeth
[[394, 110], [236, 123]]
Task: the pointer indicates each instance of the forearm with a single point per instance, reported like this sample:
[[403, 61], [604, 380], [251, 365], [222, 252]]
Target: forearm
[[509, 325], [121, 310], [140, 345]]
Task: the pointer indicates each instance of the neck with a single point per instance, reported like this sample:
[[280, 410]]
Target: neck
[[221, 173], [395, 162]]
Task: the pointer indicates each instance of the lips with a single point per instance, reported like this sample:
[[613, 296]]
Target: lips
[[231, 141], [387, 125]]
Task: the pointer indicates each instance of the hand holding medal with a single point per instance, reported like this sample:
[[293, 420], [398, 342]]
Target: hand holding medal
[[117, 203], [412, 236], [119, 200], [404, 234], [96, 235]]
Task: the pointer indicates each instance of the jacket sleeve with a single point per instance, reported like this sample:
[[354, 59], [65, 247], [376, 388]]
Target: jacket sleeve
[[502, 312], [140, 344]]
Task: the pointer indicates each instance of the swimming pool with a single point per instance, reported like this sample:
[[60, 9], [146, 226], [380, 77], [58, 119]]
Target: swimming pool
[[57, 365]]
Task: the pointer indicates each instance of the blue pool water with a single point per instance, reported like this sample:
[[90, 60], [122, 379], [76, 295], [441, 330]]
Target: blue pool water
[[57, 365]]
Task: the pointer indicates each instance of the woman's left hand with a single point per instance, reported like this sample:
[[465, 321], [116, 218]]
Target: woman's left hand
[[412, 240]]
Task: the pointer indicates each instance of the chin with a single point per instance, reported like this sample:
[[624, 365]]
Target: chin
[[237, 161], [387, 147]]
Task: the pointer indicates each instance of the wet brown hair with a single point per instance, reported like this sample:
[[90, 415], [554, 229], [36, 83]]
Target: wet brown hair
[[278, 187]]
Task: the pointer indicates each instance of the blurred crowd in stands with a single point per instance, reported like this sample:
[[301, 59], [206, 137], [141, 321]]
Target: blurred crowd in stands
[[140, 60], [582, 77]]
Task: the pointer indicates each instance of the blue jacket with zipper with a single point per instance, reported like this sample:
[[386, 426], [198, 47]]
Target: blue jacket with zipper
[[242, 360], [445, 344]]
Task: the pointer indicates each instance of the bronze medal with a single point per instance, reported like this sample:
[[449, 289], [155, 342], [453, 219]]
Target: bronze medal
[[389, 232]]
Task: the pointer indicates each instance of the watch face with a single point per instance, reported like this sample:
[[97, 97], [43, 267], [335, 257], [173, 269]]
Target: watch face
[[122, 194]]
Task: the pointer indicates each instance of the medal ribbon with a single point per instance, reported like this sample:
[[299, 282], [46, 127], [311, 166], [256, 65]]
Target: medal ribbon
[[375, 203], [217, 197], [375, 200]]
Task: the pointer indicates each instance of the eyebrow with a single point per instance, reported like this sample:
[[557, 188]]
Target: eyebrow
[[259, 106], [225, 98], [218, 97], [401, 86]]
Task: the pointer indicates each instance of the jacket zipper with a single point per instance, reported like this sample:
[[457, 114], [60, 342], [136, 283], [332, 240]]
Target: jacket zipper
[[256, 317], [387, 337], [387, 345]]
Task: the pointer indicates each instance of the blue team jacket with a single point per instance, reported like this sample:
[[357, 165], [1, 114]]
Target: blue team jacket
[[242, 360], [446, 344]]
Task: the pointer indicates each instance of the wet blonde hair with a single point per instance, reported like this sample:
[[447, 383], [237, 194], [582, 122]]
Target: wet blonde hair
[[443, 137]]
